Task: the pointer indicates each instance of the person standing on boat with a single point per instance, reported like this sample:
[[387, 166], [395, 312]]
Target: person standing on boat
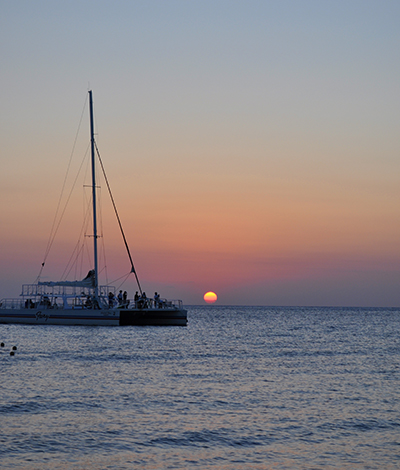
[[125, 302], [110, 300], [156, 300], [136, 299], [143, 300], [120, 298]]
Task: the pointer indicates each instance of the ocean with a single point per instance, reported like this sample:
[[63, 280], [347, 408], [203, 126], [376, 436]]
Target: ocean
[[238, 388]]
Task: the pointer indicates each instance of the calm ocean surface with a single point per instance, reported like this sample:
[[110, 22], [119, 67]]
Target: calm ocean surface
[[239, 388]]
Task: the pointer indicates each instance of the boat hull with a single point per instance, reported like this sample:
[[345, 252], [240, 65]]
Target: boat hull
[[156, 317], [109, 317]]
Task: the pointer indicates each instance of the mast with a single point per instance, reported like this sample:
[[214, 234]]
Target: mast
[[92, 150]]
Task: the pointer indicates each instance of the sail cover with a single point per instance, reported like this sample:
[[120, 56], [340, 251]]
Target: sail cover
[[88, 281]]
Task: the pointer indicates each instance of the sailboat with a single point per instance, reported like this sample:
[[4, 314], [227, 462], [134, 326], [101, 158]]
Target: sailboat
[[85, 302]]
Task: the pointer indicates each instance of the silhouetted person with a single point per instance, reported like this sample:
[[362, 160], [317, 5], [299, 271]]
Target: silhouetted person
[[110, 300]]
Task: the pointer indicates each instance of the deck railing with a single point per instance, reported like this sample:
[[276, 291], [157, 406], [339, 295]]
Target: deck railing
[[46, 301], [12, 303]]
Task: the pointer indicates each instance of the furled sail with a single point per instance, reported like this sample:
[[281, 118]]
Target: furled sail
[[88, 281]]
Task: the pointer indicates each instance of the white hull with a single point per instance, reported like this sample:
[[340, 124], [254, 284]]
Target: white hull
[[92, 317]]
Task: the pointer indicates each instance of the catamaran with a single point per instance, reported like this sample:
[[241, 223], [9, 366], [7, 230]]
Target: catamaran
[[85, 302]]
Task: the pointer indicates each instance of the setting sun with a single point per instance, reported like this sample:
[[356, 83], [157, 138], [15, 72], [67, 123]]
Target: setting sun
[[210, 297]]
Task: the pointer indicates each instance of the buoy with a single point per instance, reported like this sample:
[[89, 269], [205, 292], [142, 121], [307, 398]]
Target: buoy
[[12, 353], [14, 348], [2, 345]]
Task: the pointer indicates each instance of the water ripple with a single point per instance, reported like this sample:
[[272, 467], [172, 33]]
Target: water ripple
[[239, 388]]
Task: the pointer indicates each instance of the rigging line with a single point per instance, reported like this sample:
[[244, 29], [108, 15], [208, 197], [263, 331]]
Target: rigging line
[[103, 245], [123, 282], [52, 233], [66, 176], [77, 251], [73, 262], [119, 221], [63, 212], [125, 277]]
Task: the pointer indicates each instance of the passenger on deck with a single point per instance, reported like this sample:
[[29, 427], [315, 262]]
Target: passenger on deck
[[120, 298], [45, 302], [125, 301], [143, 300], [88, 303], [110, 300], [136, 299], [156, 300]]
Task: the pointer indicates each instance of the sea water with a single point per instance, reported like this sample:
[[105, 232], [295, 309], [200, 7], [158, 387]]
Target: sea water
[[238, 388]]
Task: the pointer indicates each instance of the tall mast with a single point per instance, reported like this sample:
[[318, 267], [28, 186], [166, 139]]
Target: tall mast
[[92, 148]]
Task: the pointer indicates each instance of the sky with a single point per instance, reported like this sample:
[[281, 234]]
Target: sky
[[252, 147]]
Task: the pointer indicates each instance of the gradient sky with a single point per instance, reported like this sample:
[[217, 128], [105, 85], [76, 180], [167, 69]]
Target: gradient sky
[[252, 146]]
